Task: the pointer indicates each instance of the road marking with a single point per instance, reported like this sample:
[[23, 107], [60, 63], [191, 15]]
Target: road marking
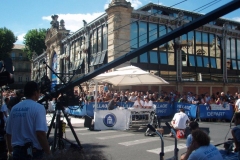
[[95, 132], [78, 129], [168, 148], [140, 141], [115, 136]]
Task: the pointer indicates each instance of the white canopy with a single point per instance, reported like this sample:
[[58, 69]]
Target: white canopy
[[130, 75]]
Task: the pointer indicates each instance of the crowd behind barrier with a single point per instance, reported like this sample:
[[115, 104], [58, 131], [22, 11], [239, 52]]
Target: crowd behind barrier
[[164, 109], [202, 106]]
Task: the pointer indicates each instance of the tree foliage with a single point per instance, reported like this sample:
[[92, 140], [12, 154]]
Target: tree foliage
[[7, 40], [34, 41]]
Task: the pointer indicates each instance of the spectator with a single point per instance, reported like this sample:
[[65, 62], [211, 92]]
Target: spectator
[[29, 125], [224, 98], [166, 98], [148, 103], [183, 99], [196, 100], [138, 103], [112, 103], [105, 88], [161, 99], [201, 149], [123, 97], [132, 97], [190, 97]]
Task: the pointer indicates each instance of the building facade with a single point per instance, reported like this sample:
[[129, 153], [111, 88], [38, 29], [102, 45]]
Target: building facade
[[204, 60], [22, 67]]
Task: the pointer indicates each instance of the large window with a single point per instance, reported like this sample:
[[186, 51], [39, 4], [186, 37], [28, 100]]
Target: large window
[[134, 35], [191, 60], [99, 39], [153, 57], [199, 61], [144, 58], [213, 63], [105, 35], [142, 33], [152, 31], [163, 58]]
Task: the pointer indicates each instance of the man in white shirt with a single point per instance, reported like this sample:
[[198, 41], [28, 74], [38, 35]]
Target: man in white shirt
[[27, 124], [148, 103], [138, 103], [180, 120]]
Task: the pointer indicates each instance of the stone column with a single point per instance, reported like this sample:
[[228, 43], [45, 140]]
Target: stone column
[[224, 55], [119, 25]]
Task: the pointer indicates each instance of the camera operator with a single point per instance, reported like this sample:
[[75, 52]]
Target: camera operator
[[27, 127]]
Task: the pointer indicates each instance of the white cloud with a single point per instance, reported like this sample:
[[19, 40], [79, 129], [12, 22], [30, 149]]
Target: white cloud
[[236, 19], [20, 38], [74, 22], [134, 3]]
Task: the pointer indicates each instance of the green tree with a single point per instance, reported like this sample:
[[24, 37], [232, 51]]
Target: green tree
[[7, 40], [34, 41]]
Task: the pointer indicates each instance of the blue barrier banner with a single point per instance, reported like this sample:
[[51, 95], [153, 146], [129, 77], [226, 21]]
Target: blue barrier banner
[[77, 111], [224, 111], [190, 109], [90, 107], [125, 105], [163, 109]]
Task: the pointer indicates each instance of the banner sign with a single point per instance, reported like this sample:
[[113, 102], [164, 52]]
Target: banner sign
[[190, 109], [216, 111], [90, 107], [112, 119], [163, 109], [77, 111]]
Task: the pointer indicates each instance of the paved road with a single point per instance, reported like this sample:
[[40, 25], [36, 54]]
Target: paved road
[[133, 145]]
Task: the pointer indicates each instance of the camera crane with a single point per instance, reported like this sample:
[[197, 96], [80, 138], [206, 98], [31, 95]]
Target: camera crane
[[211, 16]]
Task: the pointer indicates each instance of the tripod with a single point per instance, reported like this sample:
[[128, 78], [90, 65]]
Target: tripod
[[58, 135]]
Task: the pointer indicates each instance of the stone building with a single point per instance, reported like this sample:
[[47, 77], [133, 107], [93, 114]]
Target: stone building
[[22, 67], [204, 60]]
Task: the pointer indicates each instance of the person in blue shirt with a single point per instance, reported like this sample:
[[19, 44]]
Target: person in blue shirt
[[192, 126], [201, 149], [236, 133]]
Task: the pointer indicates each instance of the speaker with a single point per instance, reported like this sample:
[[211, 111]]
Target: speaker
[[88, 121]]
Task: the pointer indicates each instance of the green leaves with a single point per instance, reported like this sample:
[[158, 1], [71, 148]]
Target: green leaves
[[7, 40], [34, 41]]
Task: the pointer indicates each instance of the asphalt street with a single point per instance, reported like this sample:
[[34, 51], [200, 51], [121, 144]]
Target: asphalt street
[[133, 144]]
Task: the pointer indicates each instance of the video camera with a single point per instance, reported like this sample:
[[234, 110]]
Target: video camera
[[6, 72]]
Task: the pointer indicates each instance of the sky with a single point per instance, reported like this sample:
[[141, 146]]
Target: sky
[[20, 16]]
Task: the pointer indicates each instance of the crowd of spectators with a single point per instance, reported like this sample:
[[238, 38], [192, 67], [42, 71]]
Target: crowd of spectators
[[175, 96]]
